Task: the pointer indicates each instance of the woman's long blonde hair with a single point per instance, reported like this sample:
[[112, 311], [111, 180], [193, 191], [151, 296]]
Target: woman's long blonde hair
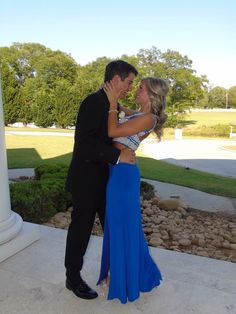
[[157, 90]]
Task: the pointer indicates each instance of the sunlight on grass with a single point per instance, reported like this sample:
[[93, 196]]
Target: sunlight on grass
[[45, 146], [27, 129], [211, 118]]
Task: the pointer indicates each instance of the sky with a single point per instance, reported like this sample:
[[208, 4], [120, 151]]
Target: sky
[[203, 30]]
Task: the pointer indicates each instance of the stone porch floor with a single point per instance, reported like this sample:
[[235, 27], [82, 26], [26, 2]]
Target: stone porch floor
[[32, 282]]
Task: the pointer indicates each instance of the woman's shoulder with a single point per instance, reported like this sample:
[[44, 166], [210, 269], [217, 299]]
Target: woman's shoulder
[[148, 120], [145, 116]]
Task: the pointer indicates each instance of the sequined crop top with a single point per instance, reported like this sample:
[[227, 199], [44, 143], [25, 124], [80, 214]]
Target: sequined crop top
[[131, 141]]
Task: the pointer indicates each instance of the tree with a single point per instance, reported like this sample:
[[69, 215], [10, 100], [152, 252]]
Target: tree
[[30, 74], [232, 97], [216, 97], [55, 65], [42, 109], [17, 65], [186, 89], [10, 91], [65, 104], [28, 94], [203, 102], [90, 77], [23, 57], [174, 60]]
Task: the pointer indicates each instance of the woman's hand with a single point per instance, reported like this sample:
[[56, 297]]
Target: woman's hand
[[112, 94]]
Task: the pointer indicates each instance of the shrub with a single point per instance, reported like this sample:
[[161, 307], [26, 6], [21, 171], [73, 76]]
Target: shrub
[[147, 190], [54, 176], [38, 200], [31, 200], [49, 169], [219, 130]]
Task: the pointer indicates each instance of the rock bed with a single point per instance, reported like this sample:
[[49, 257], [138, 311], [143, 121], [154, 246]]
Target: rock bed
[[179, 228]]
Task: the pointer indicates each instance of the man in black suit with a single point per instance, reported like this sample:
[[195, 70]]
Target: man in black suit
[[88, 172]]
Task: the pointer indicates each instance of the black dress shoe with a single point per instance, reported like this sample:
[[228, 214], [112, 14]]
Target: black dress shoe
[[81, 290]]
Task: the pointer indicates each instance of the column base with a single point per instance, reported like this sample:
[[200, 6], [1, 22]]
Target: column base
[[28, 234], [10, 227]]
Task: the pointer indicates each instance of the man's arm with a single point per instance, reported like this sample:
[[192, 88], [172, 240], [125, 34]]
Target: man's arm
[[89, 126]]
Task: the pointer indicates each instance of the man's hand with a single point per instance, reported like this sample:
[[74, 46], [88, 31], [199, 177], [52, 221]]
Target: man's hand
[[127, 155]]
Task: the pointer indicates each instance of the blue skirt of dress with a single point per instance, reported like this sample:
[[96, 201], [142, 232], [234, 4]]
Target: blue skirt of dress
[[125, 253]]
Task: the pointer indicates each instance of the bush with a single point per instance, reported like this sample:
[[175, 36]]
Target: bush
[[147, 190], [54, 176], [49, 169], [38, 200], [219, 130], [32, 201]]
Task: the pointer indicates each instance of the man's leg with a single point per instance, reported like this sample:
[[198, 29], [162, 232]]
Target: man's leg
[[77, 241], [82, 220]]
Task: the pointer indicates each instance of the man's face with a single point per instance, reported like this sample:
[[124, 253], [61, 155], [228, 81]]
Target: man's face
[[124, 86]]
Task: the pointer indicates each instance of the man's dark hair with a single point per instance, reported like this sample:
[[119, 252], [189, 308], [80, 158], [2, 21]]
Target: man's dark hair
[[119, 67]]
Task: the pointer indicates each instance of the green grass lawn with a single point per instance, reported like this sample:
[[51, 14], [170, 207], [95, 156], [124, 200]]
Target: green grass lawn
[[30, 151], [25, 151], [161, 171], [197, 118], [28, 129]]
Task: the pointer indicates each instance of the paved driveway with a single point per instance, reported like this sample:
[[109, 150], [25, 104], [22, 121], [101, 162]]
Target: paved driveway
[[205, 155]]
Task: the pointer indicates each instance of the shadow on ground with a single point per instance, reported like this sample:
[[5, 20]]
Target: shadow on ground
[[29, 158]]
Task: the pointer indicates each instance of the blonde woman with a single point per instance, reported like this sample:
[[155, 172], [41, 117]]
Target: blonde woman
[[126, 263]]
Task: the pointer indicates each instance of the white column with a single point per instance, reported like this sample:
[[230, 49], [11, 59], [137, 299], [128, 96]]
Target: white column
[[11, 224]]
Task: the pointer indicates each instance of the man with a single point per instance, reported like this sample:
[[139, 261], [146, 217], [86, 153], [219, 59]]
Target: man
[[88, 172]]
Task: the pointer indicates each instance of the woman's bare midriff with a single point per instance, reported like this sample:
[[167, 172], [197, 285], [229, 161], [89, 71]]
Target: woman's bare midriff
[[121, 146], [118, 145]]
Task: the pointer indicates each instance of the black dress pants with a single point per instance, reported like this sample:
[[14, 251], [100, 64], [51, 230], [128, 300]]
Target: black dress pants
[[88, 200]]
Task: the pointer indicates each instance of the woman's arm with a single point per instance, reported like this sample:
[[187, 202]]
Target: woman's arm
[[133, 126]]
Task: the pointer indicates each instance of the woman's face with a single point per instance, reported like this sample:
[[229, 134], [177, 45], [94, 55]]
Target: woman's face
[[142, 97]]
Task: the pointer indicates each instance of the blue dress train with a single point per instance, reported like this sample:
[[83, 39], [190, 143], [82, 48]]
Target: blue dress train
[[125, 253]]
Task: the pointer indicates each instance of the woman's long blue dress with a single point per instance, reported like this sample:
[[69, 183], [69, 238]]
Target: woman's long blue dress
[[125, 253]]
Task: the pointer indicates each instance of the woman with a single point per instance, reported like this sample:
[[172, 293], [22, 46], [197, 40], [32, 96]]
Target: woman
[[126, 263]]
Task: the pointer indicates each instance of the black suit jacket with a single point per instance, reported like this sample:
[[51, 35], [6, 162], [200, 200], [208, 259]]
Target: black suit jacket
[[93, 149]]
